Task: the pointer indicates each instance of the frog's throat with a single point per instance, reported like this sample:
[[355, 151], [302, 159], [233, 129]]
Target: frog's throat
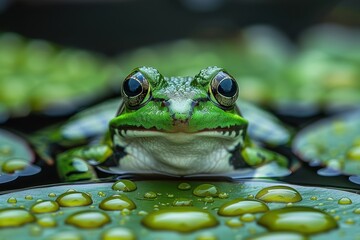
[[178, 153]]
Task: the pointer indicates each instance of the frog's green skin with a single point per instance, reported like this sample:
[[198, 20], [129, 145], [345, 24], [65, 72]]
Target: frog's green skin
[[175, 125]]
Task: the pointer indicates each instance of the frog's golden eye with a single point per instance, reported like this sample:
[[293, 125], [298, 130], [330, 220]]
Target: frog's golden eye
[[135, 89], [224, 89]]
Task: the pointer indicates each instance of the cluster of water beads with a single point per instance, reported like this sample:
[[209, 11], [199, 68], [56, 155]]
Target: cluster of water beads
[[179, 214]]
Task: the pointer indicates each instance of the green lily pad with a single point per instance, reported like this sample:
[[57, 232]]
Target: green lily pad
[[36, 75], [333, 142], [96, 211], [16, 157]]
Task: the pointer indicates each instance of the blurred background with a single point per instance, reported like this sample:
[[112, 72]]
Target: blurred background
[[296, 58]]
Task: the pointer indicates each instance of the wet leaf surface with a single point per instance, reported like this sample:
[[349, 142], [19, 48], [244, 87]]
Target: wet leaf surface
[[228, 212]]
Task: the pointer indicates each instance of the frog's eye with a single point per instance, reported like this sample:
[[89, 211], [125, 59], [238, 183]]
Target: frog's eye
[[135, 89], [224, 89]]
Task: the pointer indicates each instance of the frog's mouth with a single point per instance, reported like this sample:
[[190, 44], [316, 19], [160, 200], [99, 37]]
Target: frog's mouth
[[230, 132]]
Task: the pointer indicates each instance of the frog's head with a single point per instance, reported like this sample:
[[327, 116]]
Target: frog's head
[[173, 123]]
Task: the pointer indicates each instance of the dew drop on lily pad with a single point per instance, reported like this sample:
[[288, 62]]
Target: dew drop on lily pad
[[344, 201], [150, 195], [12, 200], [184, 186], [124, 185], [66, 236], [88, 219], [179, 219], [74, 199], [279, 236], [283, 194], [45, 207], [117, 202], [14, 165], [304, 220], [206, 190], [241, 206], [118, 233], [47, 222], [182, 202], [14, 217]]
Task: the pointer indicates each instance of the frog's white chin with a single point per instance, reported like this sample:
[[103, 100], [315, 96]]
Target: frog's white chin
[[178, 153]]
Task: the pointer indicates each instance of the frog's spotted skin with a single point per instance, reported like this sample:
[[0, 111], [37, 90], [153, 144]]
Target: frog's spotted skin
[[173, 125]]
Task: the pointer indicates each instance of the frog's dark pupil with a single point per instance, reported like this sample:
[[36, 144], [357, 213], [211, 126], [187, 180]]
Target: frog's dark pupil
[[227, 87], [132, 87]]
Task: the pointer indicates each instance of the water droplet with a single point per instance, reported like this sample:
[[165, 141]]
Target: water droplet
[[350, 221], [330, 199], [299, 219], [170, 195], [313, 198], [5, 150], [241, 206], [279, 235], [74, 199], [206, 236], [209, 199], [180, 219], [45, 207], [223, 195], [247, 217], [234, 223], [182, 202], [184, 186], [28, 197], [47, 222], [142, 213], [124, 185], [52, 194], [13, 165], [118, 233], [357, 211], [125, 212], [88, 219], [354, 153], [101, 194], [117, 202], [66, 236], [206, 190], [14, 217], [282, 194], [35, 231], [150, 195], [71, 190], [12, 200], [344, 201], [250, 196]]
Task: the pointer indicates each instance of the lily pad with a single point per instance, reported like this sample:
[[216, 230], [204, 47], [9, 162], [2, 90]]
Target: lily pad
[[37, 75], [317, 213], [16, 157], [333, 142]]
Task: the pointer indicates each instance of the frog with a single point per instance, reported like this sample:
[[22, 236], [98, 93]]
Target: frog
[[172, 125]]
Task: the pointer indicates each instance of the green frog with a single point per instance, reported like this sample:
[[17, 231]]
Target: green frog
[[173, 125]]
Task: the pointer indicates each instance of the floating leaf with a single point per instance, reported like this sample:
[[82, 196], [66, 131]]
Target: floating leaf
[[16, 157], [333, 143], [238, 215]]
